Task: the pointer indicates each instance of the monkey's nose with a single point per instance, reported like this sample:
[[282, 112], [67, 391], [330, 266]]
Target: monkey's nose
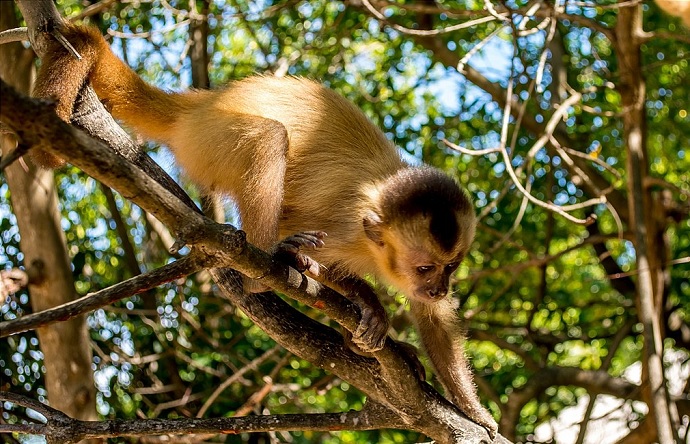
[[435, 293]]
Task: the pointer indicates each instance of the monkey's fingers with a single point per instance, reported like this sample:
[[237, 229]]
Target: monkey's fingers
[[372, 330], [305, 263], [289, 250], [305, 239]]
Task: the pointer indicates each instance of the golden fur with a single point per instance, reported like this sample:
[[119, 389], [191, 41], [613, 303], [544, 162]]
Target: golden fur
[[295, 157], [676, 8]]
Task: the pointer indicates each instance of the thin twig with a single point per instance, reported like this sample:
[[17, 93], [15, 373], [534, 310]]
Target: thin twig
[[253, 365], [542, 57], [91, 10], [516, 181], [476, 48], [92, 301], [9, 158], [259, 395], [64, 42], [14, 35], [462, 150], [147, 34], [424, 32], [516, 222]]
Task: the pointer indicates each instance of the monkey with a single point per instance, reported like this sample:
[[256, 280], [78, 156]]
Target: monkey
[[301, 163], [676, 8]]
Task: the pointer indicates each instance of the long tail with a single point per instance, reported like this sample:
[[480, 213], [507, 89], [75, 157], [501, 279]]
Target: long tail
[[150, 111]]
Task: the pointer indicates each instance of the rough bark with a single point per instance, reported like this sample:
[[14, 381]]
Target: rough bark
[[65, 346], [388, 379], [632, 89]]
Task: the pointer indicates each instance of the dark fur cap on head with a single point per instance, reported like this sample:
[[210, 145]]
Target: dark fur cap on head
[[429, 193]]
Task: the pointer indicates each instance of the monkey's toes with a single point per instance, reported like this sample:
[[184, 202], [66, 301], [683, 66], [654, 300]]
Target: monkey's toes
[[305, 239], [482, 417], [491, 426], [289, 250], [372, 331]]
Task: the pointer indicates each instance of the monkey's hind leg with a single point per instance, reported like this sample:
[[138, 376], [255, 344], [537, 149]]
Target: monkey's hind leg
[[372, 331], [259, 147]]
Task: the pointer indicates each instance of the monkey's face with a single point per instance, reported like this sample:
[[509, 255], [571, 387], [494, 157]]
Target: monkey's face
[[413, 261], [419, 273], [420, 224]]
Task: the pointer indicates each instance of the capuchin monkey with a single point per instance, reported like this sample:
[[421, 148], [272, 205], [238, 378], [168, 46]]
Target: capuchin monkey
[[300, 161], [676, 8]]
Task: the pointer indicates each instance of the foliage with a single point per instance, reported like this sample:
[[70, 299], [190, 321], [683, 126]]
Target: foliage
[[535, 289]]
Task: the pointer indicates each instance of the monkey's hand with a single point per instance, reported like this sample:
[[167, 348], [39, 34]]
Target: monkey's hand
[[289, 250], [372, 330], [370, 334]]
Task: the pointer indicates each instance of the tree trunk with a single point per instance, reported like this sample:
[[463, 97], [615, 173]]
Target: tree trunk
[[65, 346], [632, 88]]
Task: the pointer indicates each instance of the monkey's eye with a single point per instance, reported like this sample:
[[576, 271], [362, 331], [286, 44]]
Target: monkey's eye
[[424, 269], [453, 266]]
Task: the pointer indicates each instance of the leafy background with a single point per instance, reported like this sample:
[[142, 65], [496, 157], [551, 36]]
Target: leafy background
[[536, 294]]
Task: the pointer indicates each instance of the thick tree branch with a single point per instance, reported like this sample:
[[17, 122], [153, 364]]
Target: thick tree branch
[[632, 89], [387, 379], [62, 429]]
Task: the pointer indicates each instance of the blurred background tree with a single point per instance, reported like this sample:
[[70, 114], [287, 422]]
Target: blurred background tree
[[554, 306]]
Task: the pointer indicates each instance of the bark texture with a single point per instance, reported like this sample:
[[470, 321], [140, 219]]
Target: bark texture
[[65, 346]]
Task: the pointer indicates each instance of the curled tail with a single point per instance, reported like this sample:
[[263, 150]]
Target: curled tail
[[150, 111]]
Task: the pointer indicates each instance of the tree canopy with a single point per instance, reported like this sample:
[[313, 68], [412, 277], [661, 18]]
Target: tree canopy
[[538, 109]]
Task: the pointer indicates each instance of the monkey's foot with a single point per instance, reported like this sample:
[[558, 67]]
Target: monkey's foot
[[289, 250], [372, 330], [491, 426]]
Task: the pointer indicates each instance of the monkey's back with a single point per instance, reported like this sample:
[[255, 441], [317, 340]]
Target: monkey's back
[[333, 153], [324, 128]]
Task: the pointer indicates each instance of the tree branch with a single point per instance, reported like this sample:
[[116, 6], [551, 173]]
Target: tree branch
[[92, 301], [43, 19], [387, 379], [62, 429]]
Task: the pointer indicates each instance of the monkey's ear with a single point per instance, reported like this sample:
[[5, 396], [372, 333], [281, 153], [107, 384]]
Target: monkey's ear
[[373, 227]]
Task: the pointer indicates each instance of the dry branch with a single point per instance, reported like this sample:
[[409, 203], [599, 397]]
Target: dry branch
[[387, 379], [104, 297], [61, 429]]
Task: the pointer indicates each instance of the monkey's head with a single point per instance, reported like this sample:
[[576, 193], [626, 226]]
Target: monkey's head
[[420, 228]]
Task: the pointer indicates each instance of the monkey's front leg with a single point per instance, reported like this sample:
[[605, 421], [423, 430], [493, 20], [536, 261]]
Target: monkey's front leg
[[370, 335], [372, 331]]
